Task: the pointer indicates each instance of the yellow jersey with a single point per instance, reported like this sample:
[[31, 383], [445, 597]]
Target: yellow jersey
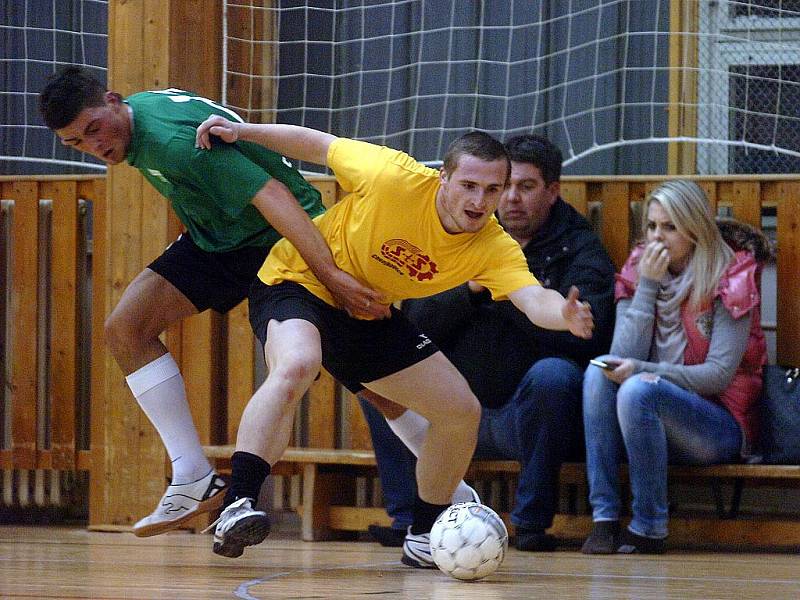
[[387, 233]]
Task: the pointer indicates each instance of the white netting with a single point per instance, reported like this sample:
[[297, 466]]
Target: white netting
[[611, 81], [39, 37]]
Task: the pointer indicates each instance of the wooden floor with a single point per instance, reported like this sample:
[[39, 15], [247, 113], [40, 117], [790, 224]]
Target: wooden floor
[[48, 562]]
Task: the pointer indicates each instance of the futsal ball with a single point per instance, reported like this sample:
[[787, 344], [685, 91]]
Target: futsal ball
[[469, 541]]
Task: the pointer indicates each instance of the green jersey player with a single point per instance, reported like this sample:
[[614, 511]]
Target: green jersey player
[[235, 203]]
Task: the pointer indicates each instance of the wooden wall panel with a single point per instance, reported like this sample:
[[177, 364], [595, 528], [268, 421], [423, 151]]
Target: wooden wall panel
[[63, 320], [202, 373], [747, 202], [788, 304], [100, 468], [710, 188], [616, 221], [195, 46], [577, 194], [23, 314]]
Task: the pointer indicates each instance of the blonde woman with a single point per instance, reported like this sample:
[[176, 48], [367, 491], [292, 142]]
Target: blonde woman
[[684, 375]]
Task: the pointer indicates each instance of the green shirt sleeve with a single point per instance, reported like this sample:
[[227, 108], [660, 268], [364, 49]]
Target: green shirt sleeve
[[223, 175]]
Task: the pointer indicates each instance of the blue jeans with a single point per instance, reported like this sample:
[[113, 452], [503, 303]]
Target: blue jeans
[[540, 426], [652, 423], [396, 468]]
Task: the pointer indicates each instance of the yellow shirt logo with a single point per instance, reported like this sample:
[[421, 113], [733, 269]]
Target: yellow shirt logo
[[406, 257]]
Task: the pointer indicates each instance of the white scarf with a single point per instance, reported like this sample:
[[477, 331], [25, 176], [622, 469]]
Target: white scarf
[[669, 339]]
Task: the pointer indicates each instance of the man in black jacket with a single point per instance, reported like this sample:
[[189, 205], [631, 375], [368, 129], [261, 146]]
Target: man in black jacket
[[527, 379]]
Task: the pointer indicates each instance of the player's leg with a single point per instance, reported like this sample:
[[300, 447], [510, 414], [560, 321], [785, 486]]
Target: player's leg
[[181, 282], [294, 357], [148, 306], [437, 391], [286, 318], [412, 428]]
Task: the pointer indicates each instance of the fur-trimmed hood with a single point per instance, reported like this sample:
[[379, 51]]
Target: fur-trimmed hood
[[741, 236]]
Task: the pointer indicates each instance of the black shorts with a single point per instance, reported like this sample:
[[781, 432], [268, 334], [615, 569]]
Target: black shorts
[[218, 280], [354, 351]]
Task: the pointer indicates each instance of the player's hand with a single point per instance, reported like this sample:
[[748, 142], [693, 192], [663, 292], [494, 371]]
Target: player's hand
[[227, 131], [623, 368], [578, 315], [354, 297], [654, 261]]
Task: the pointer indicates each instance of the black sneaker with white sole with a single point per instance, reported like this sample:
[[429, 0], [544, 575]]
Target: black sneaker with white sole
[[240, 526]]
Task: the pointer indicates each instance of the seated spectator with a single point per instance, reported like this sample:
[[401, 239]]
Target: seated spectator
[[527, 379], [683, 378]]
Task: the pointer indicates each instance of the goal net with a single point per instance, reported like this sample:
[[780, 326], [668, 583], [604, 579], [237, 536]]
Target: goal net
[[39, 37], [622, 86], [643, 86]]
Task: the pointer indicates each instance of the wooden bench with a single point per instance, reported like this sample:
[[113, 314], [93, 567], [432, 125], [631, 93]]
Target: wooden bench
[[329, 505]]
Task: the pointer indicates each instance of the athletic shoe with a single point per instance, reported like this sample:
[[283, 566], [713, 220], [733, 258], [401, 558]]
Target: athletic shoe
[[417, 551], [465, 494], [239, 526], [181, 503]]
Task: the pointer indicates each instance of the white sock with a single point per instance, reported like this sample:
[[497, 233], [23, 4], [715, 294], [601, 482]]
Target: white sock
[[159, 390], [412, 428]]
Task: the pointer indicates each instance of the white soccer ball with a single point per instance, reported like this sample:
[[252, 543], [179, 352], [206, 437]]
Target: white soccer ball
[[469, 541]]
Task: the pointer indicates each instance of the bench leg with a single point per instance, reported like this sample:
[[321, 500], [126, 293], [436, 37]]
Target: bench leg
[[736, 498], [320, 491], [314, 523]]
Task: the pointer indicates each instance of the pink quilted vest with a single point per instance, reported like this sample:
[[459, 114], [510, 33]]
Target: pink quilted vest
[[739, 291]]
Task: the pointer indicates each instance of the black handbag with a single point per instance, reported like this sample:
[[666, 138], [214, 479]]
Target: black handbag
[[780, 415]]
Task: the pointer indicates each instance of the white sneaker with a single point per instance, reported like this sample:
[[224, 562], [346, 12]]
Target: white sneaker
[[417, 551], [239, 526], [465, 493], [181, 503]]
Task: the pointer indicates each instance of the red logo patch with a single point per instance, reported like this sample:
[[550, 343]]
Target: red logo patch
[[409, 257]]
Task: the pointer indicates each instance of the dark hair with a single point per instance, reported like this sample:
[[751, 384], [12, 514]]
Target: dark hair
[[478, 144], [540, 152], [66, 94]]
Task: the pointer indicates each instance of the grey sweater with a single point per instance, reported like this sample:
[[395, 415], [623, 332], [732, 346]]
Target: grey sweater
[[633, 337]]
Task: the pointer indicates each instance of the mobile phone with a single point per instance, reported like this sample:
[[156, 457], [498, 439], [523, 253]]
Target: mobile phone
[[602, 365]]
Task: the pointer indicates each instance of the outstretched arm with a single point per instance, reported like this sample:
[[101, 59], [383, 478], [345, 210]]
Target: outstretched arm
[[550, 310], [300, 143], [281, 209]]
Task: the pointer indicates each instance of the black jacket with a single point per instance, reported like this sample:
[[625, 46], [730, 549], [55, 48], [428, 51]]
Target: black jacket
[[493, 344]]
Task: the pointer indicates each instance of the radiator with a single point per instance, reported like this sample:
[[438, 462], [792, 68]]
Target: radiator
[[24, 488]]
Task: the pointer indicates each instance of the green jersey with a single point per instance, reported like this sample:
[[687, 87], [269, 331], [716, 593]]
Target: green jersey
[[210, 190]]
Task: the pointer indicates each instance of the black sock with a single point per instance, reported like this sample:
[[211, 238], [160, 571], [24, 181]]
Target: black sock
[[248, 473], [425, 515]]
